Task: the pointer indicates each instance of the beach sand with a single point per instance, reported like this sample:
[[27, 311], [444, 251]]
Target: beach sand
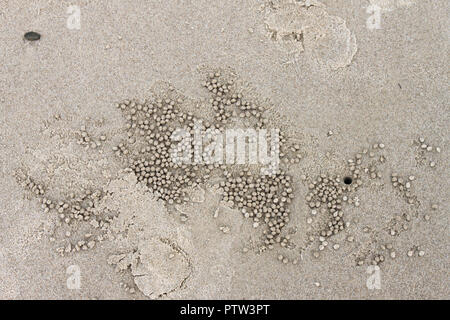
[[337, 80]]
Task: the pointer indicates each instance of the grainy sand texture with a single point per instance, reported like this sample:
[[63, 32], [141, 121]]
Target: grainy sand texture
[[95, 203]]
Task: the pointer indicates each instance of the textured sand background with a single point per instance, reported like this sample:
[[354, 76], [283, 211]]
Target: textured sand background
[[386, 85]]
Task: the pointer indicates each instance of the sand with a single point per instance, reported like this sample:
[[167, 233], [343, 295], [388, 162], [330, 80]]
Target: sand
[[337, 84]]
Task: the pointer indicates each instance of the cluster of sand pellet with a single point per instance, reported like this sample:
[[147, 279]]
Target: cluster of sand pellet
[[147, 153], [263, 198]]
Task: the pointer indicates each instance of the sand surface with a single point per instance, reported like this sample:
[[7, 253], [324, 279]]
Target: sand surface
[[333, 81]]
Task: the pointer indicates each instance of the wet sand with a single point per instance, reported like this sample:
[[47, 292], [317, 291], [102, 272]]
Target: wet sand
[[337, 85]]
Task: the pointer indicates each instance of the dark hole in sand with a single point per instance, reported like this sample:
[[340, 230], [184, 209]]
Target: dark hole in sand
[[348, 180]]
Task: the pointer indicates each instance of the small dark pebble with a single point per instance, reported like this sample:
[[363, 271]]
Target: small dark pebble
[[32, 36]]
